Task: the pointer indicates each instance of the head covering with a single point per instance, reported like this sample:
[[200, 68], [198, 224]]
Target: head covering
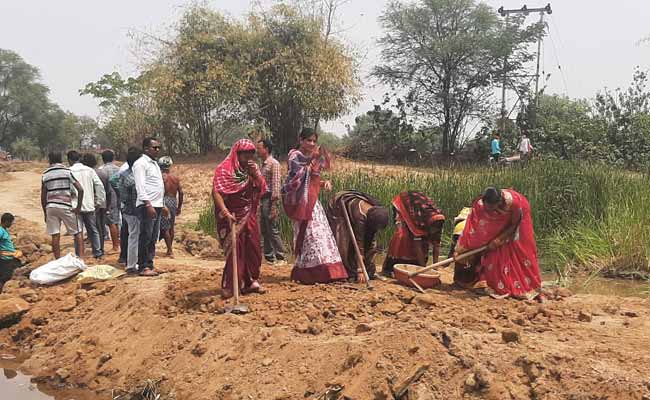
[[229, 176], [165, 162]]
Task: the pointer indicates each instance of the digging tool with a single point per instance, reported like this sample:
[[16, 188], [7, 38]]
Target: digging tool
[[356, 248], [442, 263], [237, 308]]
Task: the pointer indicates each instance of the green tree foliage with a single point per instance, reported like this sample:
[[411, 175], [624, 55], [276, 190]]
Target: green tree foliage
[[27, 117], [382, 134], [216, 75], [25, 149], [447, 56]]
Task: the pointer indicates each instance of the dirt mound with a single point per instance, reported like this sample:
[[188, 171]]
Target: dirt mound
[[198, 243], [31, 239], [301, 341]]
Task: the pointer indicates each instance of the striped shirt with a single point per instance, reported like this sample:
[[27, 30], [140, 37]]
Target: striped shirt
[[271, 172], [59, 186]]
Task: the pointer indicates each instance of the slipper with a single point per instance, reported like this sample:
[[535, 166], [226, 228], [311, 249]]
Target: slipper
[[226, 294], [254, 288], [148, 272]]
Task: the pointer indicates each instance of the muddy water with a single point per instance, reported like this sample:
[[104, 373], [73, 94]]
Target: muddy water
[[16, 386], [605, 286]]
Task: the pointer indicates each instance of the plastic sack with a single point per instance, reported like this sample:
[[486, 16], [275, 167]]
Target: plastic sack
[[57, 270], [98, 273]]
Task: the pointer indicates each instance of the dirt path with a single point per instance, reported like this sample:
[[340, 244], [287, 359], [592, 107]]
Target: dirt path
[[20, 195]]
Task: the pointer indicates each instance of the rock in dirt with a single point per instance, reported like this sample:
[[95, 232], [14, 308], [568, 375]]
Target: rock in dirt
[[11, 310], [425, 300], [510, 336], [363, 328], [62, 374], [390, 307], [584, 316], [267, 362], [199, 350]]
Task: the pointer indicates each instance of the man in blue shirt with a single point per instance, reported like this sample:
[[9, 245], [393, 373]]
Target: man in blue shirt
[[496, 147], [8, 254]]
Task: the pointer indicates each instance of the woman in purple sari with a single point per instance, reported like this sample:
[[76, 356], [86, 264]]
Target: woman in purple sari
[[317, 257]]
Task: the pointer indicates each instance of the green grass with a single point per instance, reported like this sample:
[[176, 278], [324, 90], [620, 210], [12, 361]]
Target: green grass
[[585, 215]]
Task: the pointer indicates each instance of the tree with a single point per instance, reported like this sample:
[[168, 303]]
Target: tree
[[302, 76], [23, 99], [447, 56], [25, 149]]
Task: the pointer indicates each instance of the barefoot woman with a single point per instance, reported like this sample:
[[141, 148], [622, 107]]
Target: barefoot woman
[[236, 192], [317, 257]]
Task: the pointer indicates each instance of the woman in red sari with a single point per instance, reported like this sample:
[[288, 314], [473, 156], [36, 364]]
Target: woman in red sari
[[419, 224], [236, 192], [317, 257], [501, 220]]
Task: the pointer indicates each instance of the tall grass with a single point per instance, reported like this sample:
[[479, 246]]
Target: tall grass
[[584, 215]]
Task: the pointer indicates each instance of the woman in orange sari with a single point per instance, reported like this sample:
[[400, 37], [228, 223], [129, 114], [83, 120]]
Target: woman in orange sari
[[419, 224], [501, 220]]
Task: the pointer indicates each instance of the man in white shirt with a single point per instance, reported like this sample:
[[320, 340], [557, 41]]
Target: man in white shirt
[[93, 196], [525, 148], [151, 190]]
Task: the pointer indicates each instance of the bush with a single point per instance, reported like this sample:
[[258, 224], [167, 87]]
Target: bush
[[25, 149], [586, 215]]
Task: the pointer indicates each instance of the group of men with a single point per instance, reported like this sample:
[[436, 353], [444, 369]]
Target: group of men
[[525, 148], [138, 203]]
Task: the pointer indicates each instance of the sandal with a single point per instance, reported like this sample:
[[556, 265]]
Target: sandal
[[255, 287], [148, 272], [226, 294]]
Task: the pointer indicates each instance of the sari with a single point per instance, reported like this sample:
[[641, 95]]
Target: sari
[[241, 194], [511, 269], [418, 224], [317, 256]]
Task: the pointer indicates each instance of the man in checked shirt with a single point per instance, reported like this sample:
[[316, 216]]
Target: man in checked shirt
[[273, 247]]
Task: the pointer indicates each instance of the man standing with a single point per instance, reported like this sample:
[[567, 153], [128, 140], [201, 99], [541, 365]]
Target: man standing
[[90, 161], [495, 147], [173, 201], [109, 169], [151, 189], [9, 256], [525, 148], [367, 217], [56, 200], [273, 247], [94, 196], [124, 183]]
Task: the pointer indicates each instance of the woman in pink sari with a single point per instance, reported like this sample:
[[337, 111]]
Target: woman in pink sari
[[501, 220], [317, 256], [236, 192]]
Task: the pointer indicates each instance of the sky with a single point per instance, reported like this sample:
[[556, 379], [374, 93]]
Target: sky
[[73, 42]]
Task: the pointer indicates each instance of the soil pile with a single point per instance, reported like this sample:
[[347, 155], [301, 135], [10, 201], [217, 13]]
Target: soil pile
[[301, 341]]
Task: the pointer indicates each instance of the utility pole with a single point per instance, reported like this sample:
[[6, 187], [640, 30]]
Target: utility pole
[[523, 10]]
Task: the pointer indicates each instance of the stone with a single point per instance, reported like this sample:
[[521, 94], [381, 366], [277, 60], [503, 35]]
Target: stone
[[270, 322], [267, 362], [314, 329], [29, 295], [363, 328], [631, 314], [510, 336], [563, 292], [390, 307], [199, 350], [62, 373], [426, 300], [584, 316], [11, 310], [470, 382]]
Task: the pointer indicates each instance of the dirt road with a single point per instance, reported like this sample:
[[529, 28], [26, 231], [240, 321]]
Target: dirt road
[[300, 341], [20, 195]]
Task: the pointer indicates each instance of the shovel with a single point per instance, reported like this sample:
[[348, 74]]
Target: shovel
[[356, 248], [443, 263], [237, 308]]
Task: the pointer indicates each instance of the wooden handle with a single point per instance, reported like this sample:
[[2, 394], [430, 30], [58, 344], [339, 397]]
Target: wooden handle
[[448, 261], [356, 247], [235, 269]]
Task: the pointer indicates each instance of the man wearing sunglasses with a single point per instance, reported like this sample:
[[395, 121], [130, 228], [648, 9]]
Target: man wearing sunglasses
[[151, 189]]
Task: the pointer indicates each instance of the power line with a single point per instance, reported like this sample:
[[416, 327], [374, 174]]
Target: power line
[[559, 66]]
